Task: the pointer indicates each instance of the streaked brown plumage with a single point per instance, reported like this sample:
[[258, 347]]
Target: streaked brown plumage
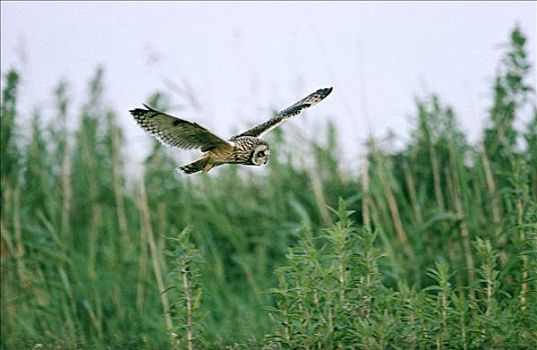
[[246, 148]]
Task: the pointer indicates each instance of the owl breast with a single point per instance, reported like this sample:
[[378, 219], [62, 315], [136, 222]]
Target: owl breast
[[244, 147], [239, 154], [220, 155]]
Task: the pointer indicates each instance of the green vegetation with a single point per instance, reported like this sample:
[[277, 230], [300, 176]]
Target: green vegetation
[[433, 246]]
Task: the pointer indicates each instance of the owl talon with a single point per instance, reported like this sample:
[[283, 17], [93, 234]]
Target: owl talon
[[208, 167]]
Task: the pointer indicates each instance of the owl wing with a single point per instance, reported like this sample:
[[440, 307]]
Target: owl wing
[[172, 131], [288, 113]]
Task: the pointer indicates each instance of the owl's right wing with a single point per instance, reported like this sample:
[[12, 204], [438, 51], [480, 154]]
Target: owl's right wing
[[286, 114], [172, 131]]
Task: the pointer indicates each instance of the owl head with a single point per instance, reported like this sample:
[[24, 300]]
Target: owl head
[[260, 154]]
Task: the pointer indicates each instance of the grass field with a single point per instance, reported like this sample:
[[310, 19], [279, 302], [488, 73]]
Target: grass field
[[432, 246]]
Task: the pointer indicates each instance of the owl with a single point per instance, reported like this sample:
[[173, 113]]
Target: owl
[[246, 148]]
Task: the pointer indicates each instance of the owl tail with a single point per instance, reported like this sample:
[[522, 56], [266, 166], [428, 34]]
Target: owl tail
[[198, 165]]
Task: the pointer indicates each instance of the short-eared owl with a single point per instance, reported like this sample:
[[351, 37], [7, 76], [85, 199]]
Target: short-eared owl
[[245, 148]]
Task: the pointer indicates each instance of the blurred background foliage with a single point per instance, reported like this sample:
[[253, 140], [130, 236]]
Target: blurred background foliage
[[431, 245]]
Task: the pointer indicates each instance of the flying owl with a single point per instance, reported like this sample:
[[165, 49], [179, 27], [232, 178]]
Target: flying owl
[[245, 148]]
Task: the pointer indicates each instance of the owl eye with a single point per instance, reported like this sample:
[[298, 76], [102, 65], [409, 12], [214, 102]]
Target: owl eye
[[261, 154]]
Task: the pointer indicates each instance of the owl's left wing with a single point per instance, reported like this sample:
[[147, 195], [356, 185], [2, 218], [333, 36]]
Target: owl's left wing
[[291, 111], [172, 131]]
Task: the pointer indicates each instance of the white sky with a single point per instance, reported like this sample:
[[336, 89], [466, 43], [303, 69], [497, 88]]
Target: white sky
[[244, 58]]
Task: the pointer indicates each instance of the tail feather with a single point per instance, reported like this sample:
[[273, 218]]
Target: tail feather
[[194, 167]]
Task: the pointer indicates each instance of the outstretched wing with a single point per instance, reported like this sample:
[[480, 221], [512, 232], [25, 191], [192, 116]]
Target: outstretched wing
[[172, 131], [289, 112]]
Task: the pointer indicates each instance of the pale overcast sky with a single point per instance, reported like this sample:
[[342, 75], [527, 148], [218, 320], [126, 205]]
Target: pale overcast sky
[[243, 58]]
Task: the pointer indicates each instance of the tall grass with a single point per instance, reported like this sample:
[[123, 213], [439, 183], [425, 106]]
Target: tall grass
[[431, 246]]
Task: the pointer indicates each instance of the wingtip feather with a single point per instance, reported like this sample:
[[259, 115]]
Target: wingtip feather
[[326, 91]]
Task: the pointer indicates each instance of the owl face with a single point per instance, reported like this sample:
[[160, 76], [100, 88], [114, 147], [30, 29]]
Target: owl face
[[260, 155]]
